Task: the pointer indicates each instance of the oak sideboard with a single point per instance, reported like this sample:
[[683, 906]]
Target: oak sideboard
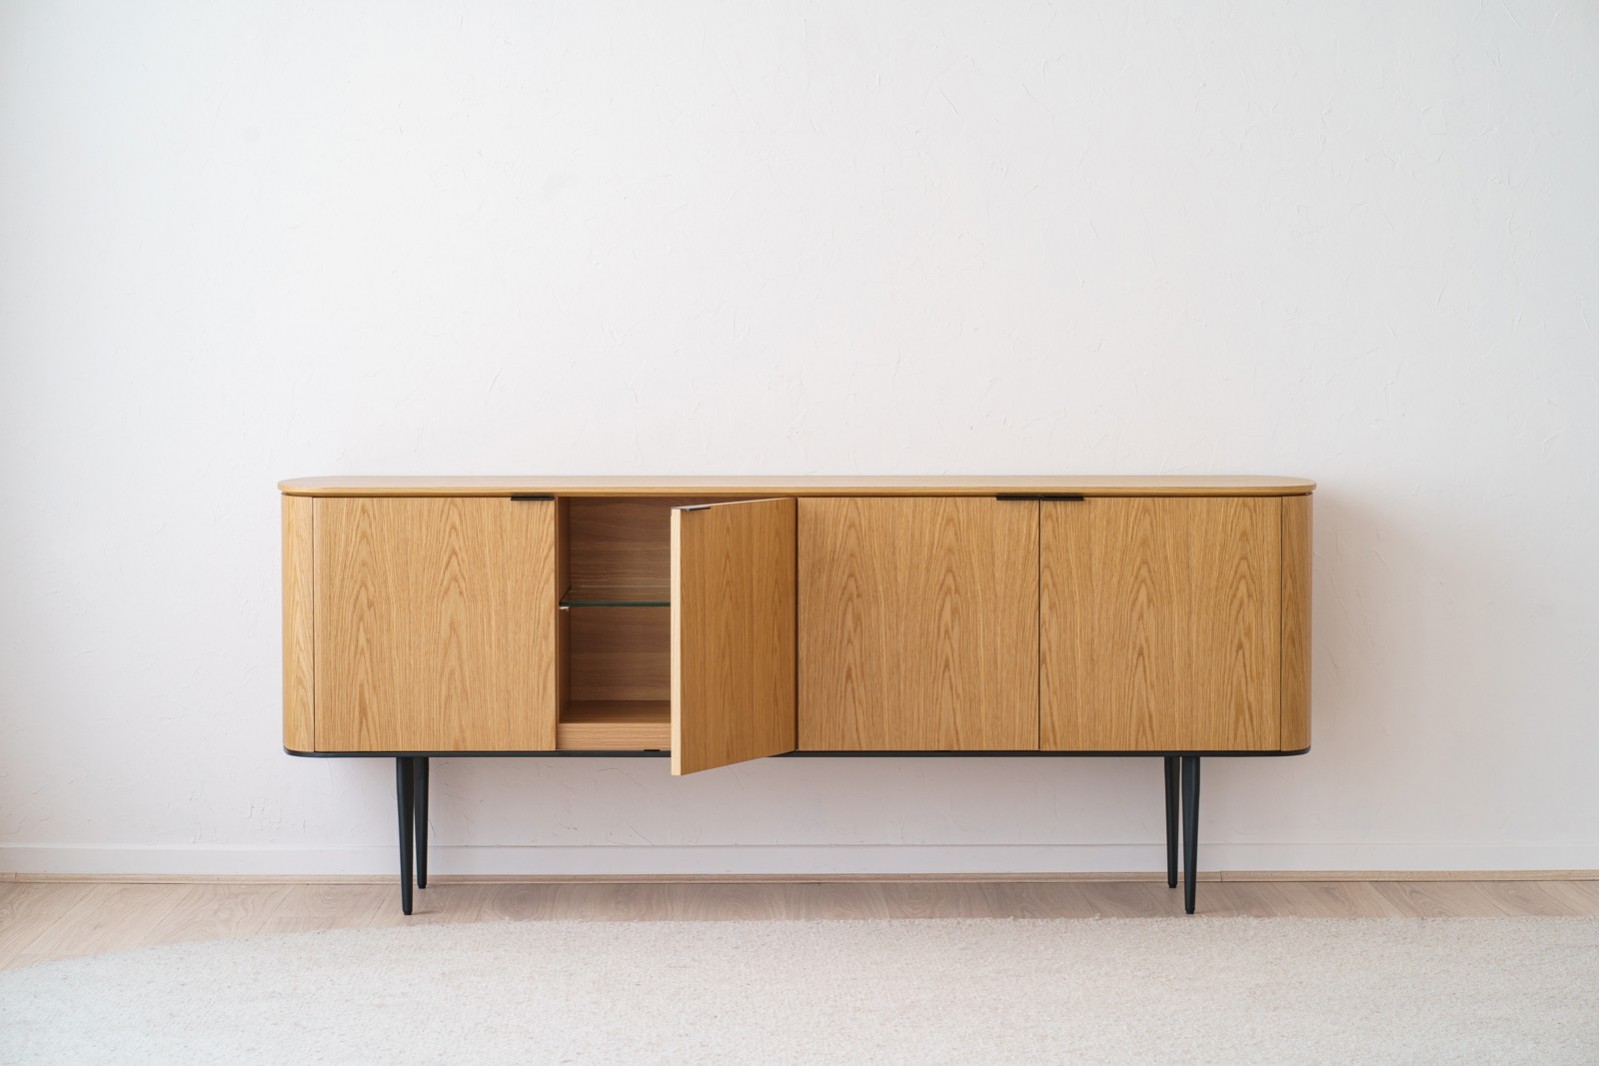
[[717, 620]]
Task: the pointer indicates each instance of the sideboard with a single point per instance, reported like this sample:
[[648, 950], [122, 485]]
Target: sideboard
[[717, 620]]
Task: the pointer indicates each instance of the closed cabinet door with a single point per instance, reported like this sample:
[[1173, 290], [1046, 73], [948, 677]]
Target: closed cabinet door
[[434, 624], [1160, 624], [919, 624], [732, 643]]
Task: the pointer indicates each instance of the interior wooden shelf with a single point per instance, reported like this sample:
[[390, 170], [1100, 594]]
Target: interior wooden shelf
[[616, 596], [602, 725]]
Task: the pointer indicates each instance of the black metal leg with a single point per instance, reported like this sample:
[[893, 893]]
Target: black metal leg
[[404, 779], [1170, 771], [421, 765], [1191, 826]]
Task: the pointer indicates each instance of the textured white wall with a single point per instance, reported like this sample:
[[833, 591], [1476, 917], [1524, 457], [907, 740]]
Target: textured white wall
[[1354, 242]]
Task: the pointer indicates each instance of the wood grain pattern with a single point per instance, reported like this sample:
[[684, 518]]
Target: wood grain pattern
[[1177, 485], [1295, 695], [105, 918], [299, 678], [615, 725], [918, 624], [620, 653], [220, 911], [621, 542], [1159, 625], [733, 633], [435, 625]]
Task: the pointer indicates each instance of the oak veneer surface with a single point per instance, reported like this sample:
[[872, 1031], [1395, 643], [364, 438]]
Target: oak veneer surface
[[299, 679], [1159, 625], [918, 624], [620, 543], [901, 658], [733, 633], [631, 725], [1173, 485], [435, 625], [1295, 696], [619, 653]]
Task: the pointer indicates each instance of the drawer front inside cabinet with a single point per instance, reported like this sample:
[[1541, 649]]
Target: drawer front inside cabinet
[[435, 624], [1160, 624], [918, 624]]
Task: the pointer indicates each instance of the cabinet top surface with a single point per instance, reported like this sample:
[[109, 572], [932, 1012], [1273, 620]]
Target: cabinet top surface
[[961, 485]]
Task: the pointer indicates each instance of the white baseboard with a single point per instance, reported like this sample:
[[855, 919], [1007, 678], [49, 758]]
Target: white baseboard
[[613, 860]]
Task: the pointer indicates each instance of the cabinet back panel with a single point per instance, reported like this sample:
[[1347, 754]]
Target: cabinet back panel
[[919, 624], [619, 653], [621, 541], [1160, 624], [435, 624]]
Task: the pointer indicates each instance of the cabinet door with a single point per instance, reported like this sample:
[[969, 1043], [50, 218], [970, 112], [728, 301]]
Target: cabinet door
[[733, 648], [435, 624], [919, 624], [1159, 624]]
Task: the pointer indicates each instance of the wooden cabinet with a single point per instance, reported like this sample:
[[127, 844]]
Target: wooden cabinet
[[919, 624], [724, 620], [721, 620]]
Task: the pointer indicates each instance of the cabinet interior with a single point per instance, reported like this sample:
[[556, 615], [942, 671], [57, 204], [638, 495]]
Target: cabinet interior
[[615, 566]]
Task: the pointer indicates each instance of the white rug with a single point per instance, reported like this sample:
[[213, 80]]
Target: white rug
[[1226, 990]]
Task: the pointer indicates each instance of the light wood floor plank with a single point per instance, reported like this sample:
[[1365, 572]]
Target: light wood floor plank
[[1523, 898], [28, 910], [218, 912], [343, 903], [1466, 899], [19, 961], [41, 921], [441, 905], [1579, 897], [521, 902], [108, 918]]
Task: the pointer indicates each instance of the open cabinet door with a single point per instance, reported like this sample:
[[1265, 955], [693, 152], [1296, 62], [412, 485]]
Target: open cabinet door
[[733, 633]]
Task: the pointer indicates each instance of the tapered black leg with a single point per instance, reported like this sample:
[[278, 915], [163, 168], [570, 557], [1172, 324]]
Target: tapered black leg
[[1191, 826], [1170, 771], [405, 800], [421, 807]]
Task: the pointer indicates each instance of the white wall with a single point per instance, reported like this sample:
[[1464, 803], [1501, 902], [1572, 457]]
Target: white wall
[[1354, 242]]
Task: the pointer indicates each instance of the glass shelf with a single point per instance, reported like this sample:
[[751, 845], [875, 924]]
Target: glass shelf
[[616, 596]]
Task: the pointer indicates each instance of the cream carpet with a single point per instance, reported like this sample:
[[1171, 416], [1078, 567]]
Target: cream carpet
[[1226, 990]]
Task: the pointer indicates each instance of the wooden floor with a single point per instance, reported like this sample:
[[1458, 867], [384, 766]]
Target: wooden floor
[[45, 920]]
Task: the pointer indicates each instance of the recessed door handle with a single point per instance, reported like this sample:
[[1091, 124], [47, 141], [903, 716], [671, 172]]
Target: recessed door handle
[[1039, 498]]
